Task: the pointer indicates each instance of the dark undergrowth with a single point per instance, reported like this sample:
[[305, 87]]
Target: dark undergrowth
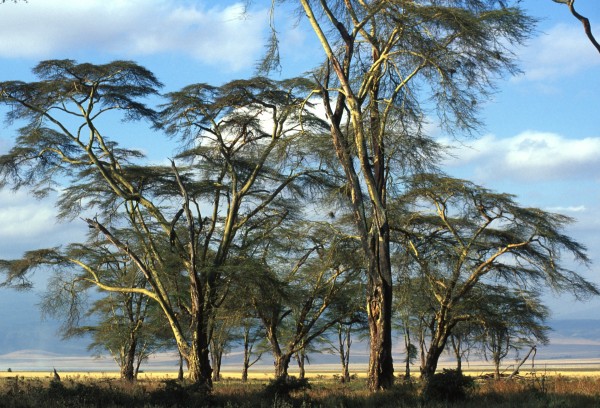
[[19, 392]]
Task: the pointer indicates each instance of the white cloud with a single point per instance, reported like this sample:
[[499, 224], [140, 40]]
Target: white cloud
[[562, 51], [24, 217], [29, 224], [569, 209], [217, 36], [530, 156]]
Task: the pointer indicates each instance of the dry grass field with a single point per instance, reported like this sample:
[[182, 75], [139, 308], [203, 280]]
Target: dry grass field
[[549, 384]]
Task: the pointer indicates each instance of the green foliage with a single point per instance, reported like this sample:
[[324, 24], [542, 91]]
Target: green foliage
[[449, 386]]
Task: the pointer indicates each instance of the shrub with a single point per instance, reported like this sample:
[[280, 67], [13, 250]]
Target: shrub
[[449, 386], [178, 394], [283, 386]]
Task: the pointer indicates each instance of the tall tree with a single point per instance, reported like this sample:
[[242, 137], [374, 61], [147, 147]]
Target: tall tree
[[386, 62], [462, 236], [240, 152]]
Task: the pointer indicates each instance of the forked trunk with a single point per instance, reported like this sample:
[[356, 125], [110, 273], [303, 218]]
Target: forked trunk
[[345, 343], [198, 361], [496, 367], [282, 363]]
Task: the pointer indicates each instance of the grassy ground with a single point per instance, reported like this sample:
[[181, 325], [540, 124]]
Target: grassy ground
[[20, 390]]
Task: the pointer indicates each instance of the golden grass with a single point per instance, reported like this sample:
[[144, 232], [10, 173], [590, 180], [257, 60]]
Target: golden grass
[[311, 375], [548, 368], [36, 388]]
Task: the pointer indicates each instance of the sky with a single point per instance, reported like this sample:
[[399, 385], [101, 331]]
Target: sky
[[541, 139]]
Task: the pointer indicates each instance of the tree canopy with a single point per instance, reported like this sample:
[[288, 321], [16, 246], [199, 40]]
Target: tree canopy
[[293, 209]]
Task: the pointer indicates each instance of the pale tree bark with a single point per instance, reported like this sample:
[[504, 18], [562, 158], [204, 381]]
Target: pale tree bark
[[344, 343], [371, 221], [128, 366]]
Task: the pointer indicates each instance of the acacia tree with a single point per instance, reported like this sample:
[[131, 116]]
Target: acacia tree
[[252, 332], [240, 156], [509, 321], [122, 323], [413, 307], [295, 287], [385, 62], [353, 325], [462, 341], [461, 236]]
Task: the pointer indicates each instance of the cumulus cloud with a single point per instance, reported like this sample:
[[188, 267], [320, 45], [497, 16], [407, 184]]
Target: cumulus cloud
[[530, 156], [216, 35], [569, 209], [28, 224], [562, 51], [24, 217]]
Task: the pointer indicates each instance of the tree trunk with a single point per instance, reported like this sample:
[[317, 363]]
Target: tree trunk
[[496, 367], [518, 367], [282, 363], [246, 364], [379, 313], [431, 361], [344, 342], [217, 356], [456, 346], [198, 361], [407, 346], [245, 373], [128, 367], [301, 359], [180, 373]]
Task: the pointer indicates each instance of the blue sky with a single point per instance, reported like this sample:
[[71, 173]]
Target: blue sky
[[541, 139]]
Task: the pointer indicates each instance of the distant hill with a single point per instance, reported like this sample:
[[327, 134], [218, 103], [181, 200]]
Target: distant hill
[[573, 339], [25, 338], [577, 328]]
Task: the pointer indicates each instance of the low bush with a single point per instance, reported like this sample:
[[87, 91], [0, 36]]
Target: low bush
[[283, 387], [448, 386]]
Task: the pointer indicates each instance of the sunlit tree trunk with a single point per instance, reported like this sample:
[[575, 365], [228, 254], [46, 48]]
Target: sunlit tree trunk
[[128, 366], [247, 350], [379, 314]]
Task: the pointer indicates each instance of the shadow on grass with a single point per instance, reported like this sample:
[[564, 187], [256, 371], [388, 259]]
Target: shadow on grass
[[17, 392]]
